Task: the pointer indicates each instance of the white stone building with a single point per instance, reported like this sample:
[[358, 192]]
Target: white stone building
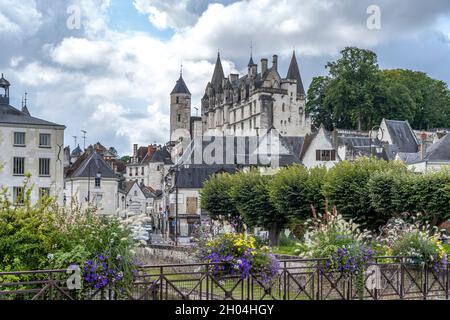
[[256, 102], [91, 180], [29, 146]]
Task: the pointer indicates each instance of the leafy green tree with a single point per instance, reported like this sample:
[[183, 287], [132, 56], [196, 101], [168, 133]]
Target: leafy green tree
[[216, 200], [295, 190], [250, 193], [346, 186], [357, 95], [315, 106], [352, 90]]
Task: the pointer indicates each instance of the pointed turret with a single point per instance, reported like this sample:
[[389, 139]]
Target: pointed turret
[[251, 63], [180, 86], [218, 74], [24, 106], [294, 74]]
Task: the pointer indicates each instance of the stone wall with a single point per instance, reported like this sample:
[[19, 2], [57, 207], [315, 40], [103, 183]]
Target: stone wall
[[162, 254]]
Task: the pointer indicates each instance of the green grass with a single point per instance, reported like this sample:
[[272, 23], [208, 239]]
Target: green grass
[[289, 250]]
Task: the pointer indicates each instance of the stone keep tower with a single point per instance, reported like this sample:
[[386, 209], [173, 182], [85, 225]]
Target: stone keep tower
[[180, 110]]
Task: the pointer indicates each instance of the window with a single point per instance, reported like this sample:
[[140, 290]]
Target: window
[[44, 167], [142, 171], [98, 182], [142, 181], [135, 193], [283, 107], [18, 197], [19, 139], [44, 140], [136, 171], [325, 155], [18, 166], [131, 172], [178, 99], [44, 193], [179, 117]]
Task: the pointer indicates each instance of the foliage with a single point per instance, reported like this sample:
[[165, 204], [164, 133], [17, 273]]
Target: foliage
[[216, 199], [357, 94], [47, 236], [346, 187], [250, 193], [295, 189], [419, 243], [239, 254]]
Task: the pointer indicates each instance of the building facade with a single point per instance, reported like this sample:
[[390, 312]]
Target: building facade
[[29, 146], [257, 102]]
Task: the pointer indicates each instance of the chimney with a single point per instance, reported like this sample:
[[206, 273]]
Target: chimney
[[334, 138], [234, 77], [423, 147], [275, 62], [254, 70], [264, 63]]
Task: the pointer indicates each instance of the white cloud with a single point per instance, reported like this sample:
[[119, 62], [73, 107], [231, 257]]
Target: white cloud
[[117, 85]]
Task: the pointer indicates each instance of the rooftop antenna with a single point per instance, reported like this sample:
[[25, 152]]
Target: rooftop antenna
[[25, 102], [75, 138], [84, 139], [251, 48]]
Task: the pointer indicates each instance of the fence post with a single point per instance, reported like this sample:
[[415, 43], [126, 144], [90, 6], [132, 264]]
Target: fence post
[[319, 284], [161, 279], [402, 278], [284, 280], [425, 282]]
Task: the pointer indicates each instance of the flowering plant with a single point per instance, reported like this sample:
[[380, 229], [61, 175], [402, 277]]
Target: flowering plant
[[344, 246], [102, 271], [418, 243], [239, 254]]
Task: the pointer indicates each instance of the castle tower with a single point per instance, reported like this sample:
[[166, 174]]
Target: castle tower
[[180, 110]]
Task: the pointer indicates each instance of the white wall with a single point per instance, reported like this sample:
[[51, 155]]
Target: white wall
[[77, 190], [32, 152], [320, 142]]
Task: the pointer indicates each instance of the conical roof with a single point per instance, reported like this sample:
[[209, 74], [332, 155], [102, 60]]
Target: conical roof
[[180, 86], [218, 74], [294, 74]]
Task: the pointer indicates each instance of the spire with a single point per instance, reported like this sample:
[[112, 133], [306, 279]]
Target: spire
[[180, 86], [294, 74], [218, 74], [24, 105], [251, 63]]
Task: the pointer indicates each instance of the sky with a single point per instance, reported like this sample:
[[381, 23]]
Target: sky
[[108, 66]]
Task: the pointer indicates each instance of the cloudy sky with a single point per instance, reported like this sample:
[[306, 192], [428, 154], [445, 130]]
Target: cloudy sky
[[112, 76]]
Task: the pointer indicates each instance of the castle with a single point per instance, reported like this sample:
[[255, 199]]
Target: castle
[[247, 105]]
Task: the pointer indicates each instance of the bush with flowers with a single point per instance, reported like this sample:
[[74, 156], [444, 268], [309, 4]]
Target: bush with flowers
[[345, 247], [418, 243], [240, 255]]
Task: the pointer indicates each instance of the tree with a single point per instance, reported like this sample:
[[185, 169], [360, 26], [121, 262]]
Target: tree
[[357, 95], [250, 194], [215, 198], [295, 190], [315, 106], [346, 186], [352, 89]]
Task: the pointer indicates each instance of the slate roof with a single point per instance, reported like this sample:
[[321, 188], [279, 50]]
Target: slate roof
[[402, 136], [161, 155], [181, 87], [11, 115], [437, 152], [77, 152], [243, 151], [294, 74], [193, 176], [88, 165], [218, 74]]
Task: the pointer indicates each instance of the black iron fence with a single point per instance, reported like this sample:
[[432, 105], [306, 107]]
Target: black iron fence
[[386, 278]]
